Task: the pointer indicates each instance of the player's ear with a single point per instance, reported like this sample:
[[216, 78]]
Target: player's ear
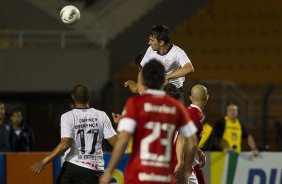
[[207, 98], [190, 97], [161, 42]]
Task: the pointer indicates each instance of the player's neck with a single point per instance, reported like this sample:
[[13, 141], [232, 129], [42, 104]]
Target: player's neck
[[81, 106], [16, 127], [199, 104], [232, 119], [165, 49]]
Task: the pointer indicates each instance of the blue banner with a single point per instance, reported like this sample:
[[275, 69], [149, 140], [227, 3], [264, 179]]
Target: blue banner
[[2, 169]]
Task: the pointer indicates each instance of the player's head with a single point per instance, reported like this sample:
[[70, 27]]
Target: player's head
[[232, 110], [2, 109], [81, 94], [158, 37], [153, 74], [16, 116], [199, 95], [172, 90]]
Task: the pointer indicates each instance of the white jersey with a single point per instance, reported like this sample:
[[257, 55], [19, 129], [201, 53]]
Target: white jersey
[[174, 60], [87, 127]]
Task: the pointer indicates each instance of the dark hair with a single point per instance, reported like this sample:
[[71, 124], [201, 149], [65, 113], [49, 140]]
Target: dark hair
[[153, 74], [81, 93], [18, 109], [161, 33], [172, 90], [231, 103]]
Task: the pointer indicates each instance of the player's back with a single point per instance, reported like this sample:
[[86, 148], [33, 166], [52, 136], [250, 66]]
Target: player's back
[[89, 127], [157, 117]]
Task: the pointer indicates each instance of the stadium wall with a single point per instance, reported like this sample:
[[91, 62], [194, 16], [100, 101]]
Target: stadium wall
[[52, 70]]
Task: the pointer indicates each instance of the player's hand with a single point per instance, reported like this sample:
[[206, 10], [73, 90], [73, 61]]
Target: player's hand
[[178, 170], [131, 85], [228, 150], [202, 159], [255, 152], [105, 178], [37, 167], [116, 118], [127, 83]]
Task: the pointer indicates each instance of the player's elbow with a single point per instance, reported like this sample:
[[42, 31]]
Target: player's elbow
[[189, 68], [65, 143], [192, 142]]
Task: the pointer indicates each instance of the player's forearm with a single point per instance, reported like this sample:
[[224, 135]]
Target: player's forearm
[[180, 149], [185, 70], [190, 151], [118, 151], [139, 77], [60, 148], [252, 143]]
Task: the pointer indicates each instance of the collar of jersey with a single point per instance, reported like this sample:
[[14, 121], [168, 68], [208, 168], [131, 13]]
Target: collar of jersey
[[169, 49], [82, 108], [195, 106], [155, 92]]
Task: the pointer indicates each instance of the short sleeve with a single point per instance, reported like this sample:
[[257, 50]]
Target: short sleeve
[[146, 57], [182, 58], [187, 127], [108, 128], [128, 121], [66, 126]]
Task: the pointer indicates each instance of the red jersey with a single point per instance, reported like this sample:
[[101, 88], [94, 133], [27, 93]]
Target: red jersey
[[197, 117], [153, 119]]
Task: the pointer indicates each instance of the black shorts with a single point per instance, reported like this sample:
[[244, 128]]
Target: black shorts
[[73, 174]]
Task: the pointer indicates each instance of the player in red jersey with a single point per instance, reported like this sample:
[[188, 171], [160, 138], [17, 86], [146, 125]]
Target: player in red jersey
[[199, 97], [152, 119]]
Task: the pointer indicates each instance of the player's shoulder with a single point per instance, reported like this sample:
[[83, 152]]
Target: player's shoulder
[[96, 110], [193, 108], [68, 113], [176, 48], [149, 51]]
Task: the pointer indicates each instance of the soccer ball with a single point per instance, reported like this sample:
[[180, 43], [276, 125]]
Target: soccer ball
[[70, 14]]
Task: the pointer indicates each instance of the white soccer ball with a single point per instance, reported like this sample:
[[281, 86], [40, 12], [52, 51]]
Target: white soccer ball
[[70, 14]]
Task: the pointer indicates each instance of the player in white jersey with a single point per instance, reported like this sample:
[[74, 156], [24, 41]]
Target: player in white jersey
[[175, 60], [82, 132]]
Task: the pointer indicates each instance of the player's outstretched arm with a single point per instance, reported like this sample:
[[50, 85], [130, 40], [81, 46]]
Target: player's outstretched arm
[[132, 85], [140, 86], [64, 144], [116, 118], [117, 153]]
